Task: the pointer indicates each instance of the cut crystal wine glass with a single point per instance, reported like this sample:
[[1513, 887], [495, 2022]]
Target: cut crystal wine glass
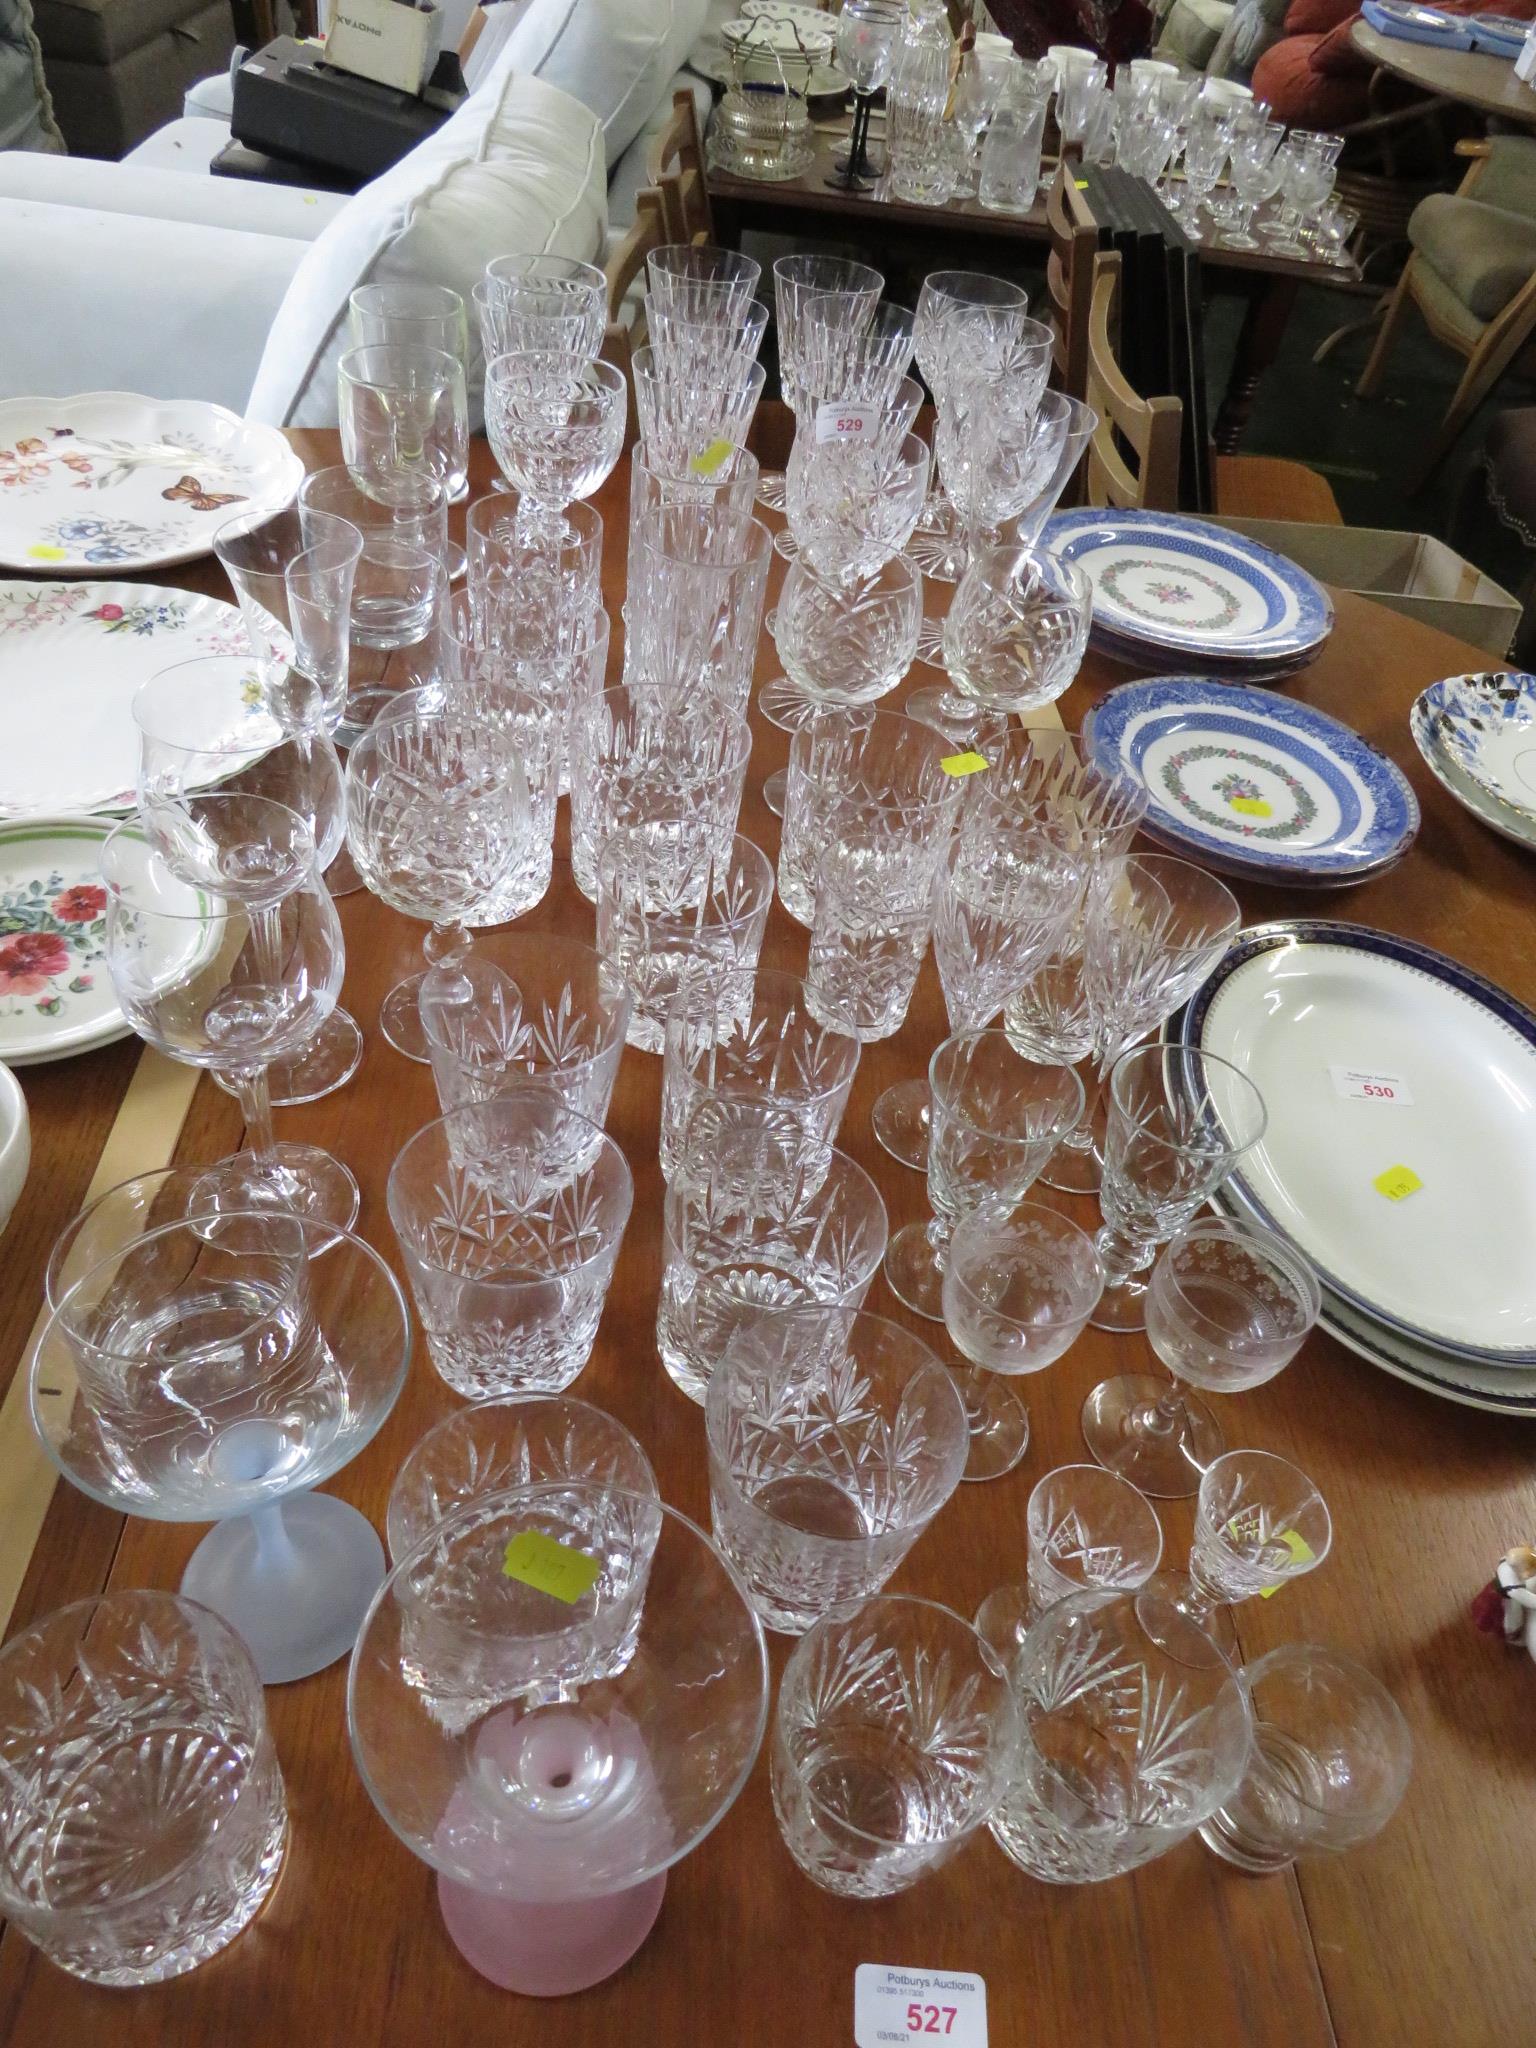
[[542, 302], [1088, 1530], [555, 423]]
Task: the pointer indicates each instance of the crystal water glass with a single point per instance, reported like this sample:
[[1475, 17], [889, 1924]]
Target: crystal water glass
[[526, 1006], [235, 983], [404, 525], [142, 1813], [293, 574], [835, 1437], [409, 313], [701, 282], [1260, 1522], [1020, 1282], [1078, 92], [1135, 1729], [1088, 1530], [1166, 1152], [522, 1440], [695, 605], [799, 279], [692, 423], [532, 592], [674, 930], [1332, 1755], [894, 1738], [996, 1120], [727, 495], [672, 773], [221, 1368], [847, 641], [542, 302], [1008, 176], [752, 1227], [849, 358], [873, 762], [508, 700], [873, 914], [757, 1043], [965, 321], [1206, 144], [555, 423], [1017, 629], [552, 1813], [1228, 1306], [509, 1215], [854, 502], [1255, 178], [436, 811], [689, 347], [404, 412]]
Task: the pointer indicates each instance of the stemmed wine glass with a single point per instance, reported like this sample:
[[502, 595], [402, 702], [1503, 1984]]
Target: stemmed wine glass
[[867, 35], [219, 1369], [437, 808], [555, 423], [1014, 637], [234, 979], [1260, 1522], [294, 573], [405, 413], [542, 302], [1228, 1306], [965, 321], [1019, 1285]]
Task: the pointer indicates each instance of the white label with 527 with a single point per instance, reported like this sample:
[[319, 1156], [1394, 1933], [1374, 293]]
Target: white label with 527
[[893, 2007]]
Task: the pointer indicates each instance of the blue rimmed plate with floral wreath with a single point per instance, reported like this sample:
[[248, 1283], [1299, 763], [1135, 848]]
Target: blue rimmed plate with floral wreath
[[1253, 782], [1477, 734]]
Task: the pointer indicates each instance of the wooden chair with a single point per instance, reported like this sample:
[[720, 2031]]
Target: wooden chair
[[1133, 457], [1490, 346], [625, 265], [676, 169], [1069, 277]]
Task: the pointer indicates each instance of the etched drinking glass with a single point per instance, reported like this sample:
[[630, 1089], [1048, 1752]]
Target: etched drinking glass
[[1166, 1152], [679, 931], [1260, 1522], [702, 339], [835, 1437], [701, 281], [965, 321], [847, 359], [142, 1814], [695, 605], [1332, 1755], [751, 1227], [893, 1740], [996, 1120], [693, 423], [758, 1043], [1135, 1729], [1016, 632], [1228, 1306], [521, 707], [843, 640], [1019, 1286], [509, 1215], [526, 1006], [523, 1440], [532, 593]]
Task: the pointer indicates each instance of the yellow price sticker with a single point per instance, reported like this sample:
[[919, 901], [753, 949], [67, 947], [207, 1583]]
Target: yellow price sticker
[[969, 763], [1299, 1548], [47, 554], [709, 459], [550, 1567], [1251, 806], [1081, 184], [1397, 1182]]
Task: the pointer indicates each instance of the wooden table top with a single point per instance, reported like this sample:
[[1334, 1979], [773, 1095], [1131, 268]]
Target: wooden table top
[[808, 204], [1473, 76], [1419, 1936]]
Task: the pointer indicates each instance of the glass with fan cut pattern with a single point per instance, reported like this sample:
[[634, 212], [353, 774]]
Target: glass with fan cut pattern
[[895, 1735], [755, 1228], [835, 1437], [509, 1214], [142, 1812], [1135, 1730]]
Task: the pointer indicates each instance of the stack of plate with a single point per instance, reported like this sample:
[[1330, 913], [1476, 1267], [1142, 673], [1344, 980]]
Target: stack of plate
[[1166, 585], [1478, 738], [1400, 1155], [1252, 784]]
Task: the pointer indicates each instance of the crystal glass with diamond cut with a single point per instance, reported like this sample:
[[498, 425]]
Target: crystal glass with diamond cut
[[835, 1437], [1135, 1729], [526, 1006], [509, 1215], [142, 1812], [750, 1227], [685, 420], [551, 1760], [893, 1740], [555, 422], [1259, 1523], [523, 1440], [1088, 1530], [1016, 632]]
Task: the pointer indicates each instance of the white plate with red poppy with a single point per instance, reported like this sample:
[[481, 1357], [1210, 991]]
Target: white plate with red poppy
[[112, 481], [56, 995], [71, 657]]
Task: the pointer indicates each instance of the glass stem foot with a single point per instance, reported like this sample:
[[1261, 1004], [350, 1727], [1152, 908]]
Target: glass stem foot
[[298, 1177], [1159, 1438], [548, 1951], [400, 1019], [914, 1273], [900, 1121], [999, 1425], [327, 1063], [775, 789]]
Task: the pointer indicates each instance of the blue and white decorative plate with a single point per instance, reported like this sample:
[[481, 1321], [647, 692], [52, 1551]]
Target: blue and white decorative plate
[[1400, 1153], [1243, 775], [1484, 725], [1165, 581]]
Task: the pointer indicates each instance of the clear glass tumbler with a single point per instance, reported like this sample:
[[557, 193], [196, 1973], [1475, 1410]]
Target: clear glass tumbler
[[142, 1813], [835, 1437], [894, 1738]]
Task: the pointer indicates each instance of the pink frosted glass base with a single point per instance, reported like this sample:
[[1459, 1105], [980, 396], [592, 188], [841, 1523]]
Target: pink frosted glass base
[[548, 1951]]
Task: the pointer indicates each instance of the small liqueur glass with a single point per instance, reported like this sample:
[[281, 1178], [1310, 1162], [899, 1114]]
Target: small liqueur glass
[[1260, 1522], [1088, 1530]]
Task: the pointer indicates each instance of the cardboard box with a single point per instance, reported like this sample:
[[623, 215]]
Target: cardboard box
[[385, 40], [1411, 573]]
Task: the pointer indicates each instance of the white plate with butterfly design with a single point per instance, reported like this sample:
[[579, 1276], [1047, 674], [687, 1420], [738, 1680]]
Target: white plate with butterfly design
[[112, 481], [71, 657]]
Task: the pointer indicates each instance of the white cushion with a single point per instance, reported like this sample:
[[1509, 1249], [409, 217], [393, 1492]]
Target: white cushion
[[615, 56], [212, 98], [162, 195], [518, 168]]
